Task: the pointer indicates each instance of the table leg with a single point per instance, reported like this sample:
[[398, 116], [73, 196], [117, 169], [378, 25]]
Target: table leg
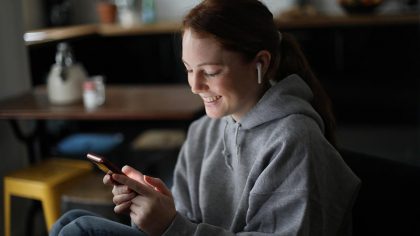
[[35, 146], [31, 140]]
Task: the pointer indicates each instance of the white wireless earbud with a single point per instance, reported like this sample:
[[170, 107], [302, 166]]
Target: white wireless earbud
[[259, 73]]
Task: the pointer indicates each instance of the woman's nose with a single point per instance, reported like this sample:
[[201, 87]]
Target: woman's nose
[[197, 83]]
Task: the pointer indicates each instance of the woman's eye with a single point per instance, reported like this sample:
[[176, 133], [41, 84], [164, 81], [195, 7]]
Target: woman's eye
[[212, 74]]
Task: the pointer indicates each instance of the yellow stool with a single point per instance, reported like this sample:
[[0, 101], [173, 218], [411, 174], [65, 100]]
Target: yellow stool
[[44, 182]]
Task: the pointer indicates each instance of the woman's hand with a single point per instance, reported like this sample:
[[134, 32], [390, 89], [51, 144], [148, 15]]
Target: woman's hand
[[153, 208], [123, 194]]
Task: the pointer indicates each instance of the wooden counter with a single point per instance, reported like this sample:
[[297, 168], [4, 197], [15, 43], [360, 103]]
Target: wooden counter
[[153, 102], [52, 34], [344, 21], [58, 33], [157, 28], [106, 30]]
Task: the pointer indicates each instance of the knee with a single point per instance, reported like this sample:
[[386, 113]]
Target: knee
[[67, 218], [83, 225], [74, 214]]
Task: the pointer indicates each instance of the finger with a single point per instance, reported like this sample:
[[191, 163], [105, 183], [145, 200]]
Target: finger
[[139, 200], [137, 206], [121, 189], [133, 215], [107, 180], [122, 208], [133, 173], [120, 199], [133, 184], [158, 185]]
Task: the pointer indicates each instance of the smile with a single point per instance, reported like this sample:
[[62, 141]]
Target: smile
[[211, 99]]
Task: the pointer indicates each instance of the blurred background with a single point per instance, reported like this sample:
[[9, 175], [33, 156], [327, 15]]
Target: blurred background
[[366, 56]]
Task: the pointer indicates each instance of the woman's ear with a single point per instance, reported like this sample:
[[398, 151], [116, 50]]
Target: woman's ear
[[262, 60]]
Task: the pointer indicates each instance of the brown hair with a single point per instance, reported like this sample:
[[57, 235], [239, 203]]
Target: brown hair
[[247, 27]]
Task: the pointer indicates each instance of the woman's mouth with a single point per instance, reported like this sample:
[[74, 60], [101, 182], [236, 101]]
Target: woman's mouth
[[211, 99]]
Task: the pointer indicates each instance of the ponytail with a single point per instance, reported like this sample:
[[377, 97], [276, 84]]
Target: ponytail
[[293, 61]]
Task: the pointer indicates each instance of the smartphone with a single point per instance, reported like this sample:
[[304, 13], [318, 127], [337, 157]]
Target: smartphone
[[104, 164]]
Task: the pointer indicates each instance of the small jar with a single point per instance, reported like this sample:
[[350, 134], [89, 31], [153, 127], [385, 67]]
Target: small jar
[[89, 95]]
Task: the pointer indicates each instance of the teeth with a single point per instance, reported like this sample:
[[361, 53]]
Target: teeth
[[211, 99]]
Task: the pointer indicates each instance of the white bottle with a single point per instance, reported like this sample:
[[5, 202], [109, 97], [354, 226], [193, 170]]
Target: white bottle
[[148, 11], [65, 79]]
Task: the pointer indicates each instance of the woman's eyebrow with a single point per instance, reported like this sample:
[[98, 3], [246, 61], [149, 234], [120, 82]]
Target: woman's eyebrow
[[210, 64], [205, 63]]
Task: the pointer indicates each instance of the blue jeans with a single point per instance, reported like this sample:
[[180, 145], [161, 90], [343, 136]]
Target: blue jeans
[[81, 222]]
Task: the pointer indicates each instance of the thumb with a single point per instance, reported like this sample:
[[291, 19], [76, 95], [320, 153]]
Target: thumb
[[133, 173], [158, 185]]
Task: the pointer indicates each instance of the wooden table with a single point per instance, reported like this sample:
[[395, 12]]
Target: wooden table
[[130, 102], [157, 102]]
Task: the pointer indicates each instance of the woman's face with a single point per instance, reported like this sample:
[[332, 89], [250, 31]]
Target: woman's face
[[226, 83]]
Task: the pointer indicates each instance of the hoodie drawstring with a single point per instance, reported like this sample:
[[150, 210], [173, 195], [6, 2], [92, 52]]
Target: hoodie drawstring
[[225, 152], [238, 126]]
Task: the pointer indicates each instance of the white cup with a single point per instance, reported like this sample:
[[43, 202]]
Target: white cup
[[93, 92]]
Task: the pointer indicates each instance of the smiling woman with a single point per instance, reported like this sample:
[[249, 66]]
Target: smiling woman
[[261, 161]]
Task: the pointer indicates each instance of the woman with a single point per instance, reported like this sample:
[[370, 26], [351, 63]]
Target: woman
[[263, 159]]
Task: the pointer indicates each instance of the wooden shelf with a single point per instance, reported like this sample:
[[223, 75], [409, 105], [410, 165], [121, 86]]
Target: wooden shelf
[[321, 21], [302, 22], [156, 28], [59, 33], [62, 33]]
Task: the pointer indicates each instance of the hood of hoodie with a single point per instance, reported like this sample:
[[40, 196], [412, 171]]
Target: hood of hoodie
[[289, 96]]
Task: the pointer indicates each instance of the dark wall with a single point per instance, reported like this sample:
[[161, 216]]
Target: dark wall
[[371, 73], [146, 59]]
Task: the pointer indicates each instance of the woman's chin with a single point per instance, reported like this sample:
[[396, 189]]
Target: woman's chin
[[213, 114]]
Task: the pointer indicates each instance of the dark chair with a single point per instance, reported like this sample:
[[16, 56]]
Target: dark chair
[[389, 201]]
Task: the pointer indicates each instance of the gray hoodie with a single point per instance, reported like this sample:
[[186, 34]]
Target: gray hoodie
[[272, 173]]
